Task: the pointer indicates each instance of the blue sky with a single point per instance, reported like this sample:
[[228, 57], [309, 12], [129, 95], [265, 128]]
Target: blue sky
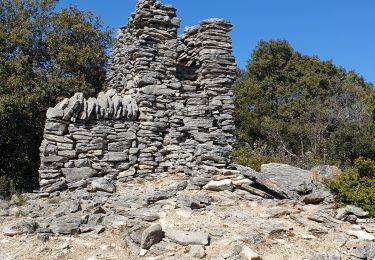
[[340, 30]]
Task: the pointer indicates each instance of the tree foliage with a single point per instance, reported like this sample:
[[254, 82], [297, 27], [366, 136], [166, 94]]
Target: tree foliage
[[303, 110], [44, 54]]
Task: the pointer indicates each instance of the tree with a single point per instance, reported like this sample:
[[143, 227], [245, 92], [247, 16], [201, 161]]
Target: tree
[[302, 110], [45, 54]]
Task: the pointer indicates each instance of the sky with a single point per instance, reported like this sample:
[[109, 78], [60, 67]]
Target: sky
[[339, 30]]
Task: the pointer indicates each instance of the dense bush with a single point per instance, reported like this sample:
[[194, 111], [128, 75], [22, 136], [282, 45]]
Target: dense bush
[[45, 54], [302, 110], [357, 186]]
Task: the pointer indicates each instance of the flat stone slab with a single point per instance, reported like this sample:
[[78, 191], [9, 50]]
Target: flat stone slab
[[188, 237], [77, 174], [19, 228], [65, 228], [219, 185], [360, 234]]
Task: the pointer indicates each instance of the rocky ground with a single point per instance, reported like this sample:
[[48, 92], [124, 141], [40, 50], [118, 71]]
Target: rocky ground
[[171, 217]]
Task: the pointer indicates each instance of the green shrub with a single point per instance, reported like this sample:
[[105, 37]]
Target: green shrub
[[251, 157], [18, 200], [357, 186]]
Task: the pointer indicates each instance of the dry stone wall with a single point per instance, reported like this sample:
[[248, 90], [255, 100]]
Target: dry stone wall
[[168, 107]]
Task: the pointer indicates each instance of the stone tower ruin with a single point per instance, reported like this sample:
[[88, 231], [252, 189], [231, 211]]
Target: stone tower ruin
[[167, 108]]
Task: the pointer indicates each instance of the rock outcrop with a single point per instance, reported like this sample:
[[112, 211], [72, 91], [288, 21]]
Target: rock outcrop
[[168, 107]]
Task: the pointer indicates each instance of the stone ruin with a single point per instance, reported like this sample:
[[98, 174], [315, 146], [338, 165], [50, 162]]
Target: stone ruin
[[167, 108]]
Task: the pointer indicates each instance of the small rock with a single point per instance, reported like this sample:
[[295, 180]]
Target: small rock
[[98, 210], [143, 252], [314, 198], [103, 184], [151, 236], [188, 237], [307, 236], [278, 212], [356, 211], [352, 219], [19, 228], [2, 257], [341, 213], [3, 204], [75, 206], [158, 195], [65, 228], [99, 229], [370, 250], [4, 212], [248, 254], [13, 230], [196, 251], [219, 185], [43, 237], [361, 235]]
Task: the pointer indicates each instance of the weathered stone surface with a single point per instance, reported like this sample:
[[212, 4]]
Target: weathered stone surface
[[55, 112], [293, 181], [103, 184], [360, 234], [65, 228], [219, 185], [19, 228], [370, 250], [321, 172], [77, 174], [158, 195], [356, 211], [151, 236], [12, 230], [315, 197], [188, 237], [343, 213], [54, 158], [56, 127], [248, 254], [115, 157]]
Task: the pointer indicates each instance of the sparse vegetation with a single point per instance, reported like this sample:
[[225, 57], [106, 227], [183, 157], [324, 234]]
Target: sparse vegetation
[[356, 186], [18, 200], [20, 214]]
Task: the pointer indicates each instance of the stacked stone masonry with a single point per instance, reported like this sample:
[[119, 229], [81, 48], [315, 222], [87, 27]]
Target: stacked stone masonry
[[167, 108]]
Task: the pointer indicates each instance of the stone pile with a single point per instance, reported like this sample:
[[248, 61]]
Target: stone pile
[[88, 138], [206, 69], [168, 107], [165, 218]]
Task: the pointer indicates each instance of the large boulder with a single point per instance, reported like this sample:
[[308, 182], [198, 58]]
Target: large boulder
[[293, 181], [322, 172]]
